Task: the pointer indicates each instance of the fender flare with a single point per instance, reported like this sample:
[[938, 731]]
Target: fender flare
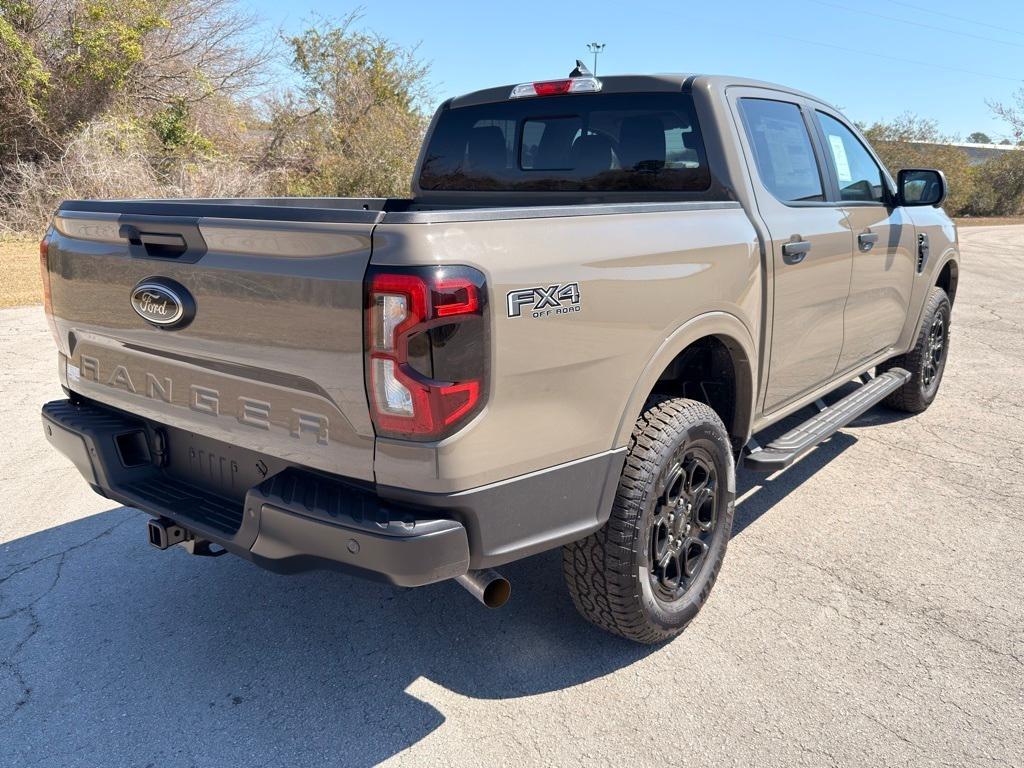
[[728, 329], [952, 260]]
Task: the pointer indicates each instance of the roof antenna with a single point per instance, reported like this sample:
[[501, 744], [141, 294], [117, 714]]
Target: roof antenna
[[581, 70]]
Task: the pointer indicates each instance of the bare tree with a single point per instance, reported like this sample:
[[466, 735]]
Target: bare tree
[[214, 39], [1012, 112]]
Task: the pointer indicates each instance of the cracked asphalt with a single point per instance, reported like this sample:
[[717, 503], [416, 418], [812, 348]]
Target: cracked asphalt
[[870, 612]]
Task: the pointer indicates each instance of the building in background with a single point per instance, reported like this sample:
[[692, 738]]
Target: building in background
[[977, 153]]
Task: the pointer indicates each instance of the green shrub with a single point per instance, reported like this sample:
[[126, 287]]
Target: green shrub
[[999, 186]]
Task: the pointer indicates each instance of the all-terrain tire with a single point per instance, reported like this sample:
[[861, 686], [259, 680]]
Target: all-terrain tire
[[925, 369], [609, 573]]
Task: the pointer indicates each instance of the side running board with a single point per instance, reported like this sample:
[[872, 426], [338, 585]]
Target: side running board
[[786, 449]]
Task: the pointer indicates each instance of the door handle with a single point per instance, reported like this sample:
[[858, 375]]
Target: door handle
[[794, 252], [867, 240]]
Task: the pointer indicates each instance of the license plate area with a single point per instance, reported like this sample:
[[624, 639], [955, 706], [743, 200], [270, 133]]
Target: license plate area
[[226, 470]]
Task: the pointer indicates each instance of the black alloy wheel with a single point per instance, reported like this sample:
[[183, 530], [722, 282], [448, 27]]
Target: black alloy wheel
[[683, 523]]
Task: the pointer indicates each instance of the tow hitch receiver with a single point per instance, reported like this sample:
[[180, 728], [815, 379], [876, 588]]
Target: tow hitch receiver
[[164, 533]]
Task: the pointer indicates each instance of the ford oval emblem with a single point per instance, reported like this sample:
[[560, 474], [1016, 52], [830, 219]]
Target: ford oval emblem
[[163, 302]]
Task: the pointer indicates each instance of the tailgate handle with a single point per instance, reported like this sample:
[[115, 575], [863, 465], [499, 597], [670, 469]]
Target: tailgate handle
[[155, 243]]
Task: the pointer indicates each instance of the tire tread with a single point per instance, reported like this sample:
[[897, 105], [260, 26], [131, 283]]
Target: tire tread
[[599, 570], [910, 397]]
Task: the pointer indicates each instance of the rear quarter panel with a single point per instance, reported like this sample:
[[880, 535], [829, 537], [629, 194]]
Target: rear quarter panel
[[561, 383]]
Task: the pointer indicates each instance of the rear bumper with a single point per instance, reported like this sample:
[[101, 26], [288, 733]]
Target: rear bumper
[[294, 521], [297, 520]]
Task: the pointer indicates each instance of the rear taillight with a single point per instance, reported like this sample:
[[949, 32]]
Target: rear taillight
[[44, 268], [426, 349]]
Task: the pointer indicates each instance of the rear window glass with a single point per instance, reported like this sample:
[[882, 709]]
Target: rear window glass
[[586, 143], [782, 150]]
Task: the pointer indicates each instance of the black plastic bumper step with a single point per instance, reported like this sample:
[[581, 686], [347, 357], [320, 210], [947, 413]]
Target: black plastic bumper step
[[187, 502], [90, 435], [786, 449]]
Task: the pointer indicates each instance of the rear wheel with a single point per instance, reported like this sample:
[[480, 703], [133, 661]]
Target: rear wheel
[[926, 361], [648, 571]]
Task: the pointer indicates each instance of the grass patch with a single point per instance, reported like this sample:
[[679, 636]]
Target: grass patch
[[20, 283], [988, 221]]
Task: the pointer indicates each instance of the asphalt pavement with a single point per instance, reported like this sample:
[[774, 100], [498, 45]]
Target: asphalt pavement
[[870, 612]]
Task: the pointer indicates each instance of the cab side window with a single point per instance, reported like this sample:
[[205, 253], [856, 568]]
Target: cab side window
[[782, 150], [860, 178]]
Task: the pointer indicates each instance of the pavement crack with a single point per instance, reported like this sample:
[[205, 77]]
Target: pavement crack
[[22, 567], [10, 663]]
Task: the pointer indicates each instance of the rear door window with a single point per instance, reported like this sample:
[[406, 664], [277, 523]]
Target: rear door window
[[782, 149], [587, 142]]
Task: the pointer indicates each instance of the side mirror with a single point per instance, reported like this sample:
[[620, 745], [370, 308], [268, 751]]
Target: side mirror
[[919, 186]]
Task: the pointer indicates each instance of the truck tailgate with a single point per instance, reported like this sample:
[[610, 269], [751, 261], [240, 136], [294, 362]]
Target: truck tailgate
[[272, 358]]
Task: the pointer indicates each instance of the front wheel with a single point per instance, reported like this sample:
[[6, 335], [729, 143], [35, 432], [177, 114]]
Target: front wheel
[[648, 571], [926, 361]]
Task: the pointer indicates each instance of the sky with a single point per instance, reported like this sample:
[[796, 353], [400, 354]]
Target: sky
[[874, 59]]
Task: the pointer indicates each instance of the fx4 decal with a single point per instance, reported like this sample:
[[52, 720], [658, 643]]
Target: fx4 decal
[[541, 301]]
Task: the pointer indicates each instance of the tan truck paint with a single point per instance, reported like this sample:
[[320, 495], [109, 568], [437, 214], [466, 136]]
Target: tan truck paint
[[559, 378]]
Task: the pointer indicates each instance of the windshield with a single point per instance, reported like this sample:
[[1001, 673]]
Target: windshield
[[584, 143]]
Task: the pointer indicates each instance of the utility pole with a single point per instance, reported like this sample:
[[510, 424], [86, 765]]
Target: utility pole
[[595, 48]]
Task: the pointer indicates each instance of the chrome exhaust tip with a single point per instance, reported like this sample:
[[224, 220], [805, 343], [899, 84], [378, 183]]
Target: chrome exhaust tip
[[489, 587]]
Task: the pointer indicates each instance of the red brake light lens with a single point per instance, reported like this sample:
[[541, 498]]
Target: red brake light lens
[[439, 311], [455, 296], [460, 399], [552, 87]]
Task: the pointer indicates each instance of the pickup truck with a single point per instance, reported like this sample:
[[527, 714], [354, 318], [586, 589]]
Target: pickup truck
[[598, 294]]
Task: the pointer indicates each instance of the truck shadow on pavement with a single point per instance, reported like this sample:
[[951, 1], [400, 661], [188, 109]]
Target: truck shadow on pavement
[[114, 653], [757, 492]]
